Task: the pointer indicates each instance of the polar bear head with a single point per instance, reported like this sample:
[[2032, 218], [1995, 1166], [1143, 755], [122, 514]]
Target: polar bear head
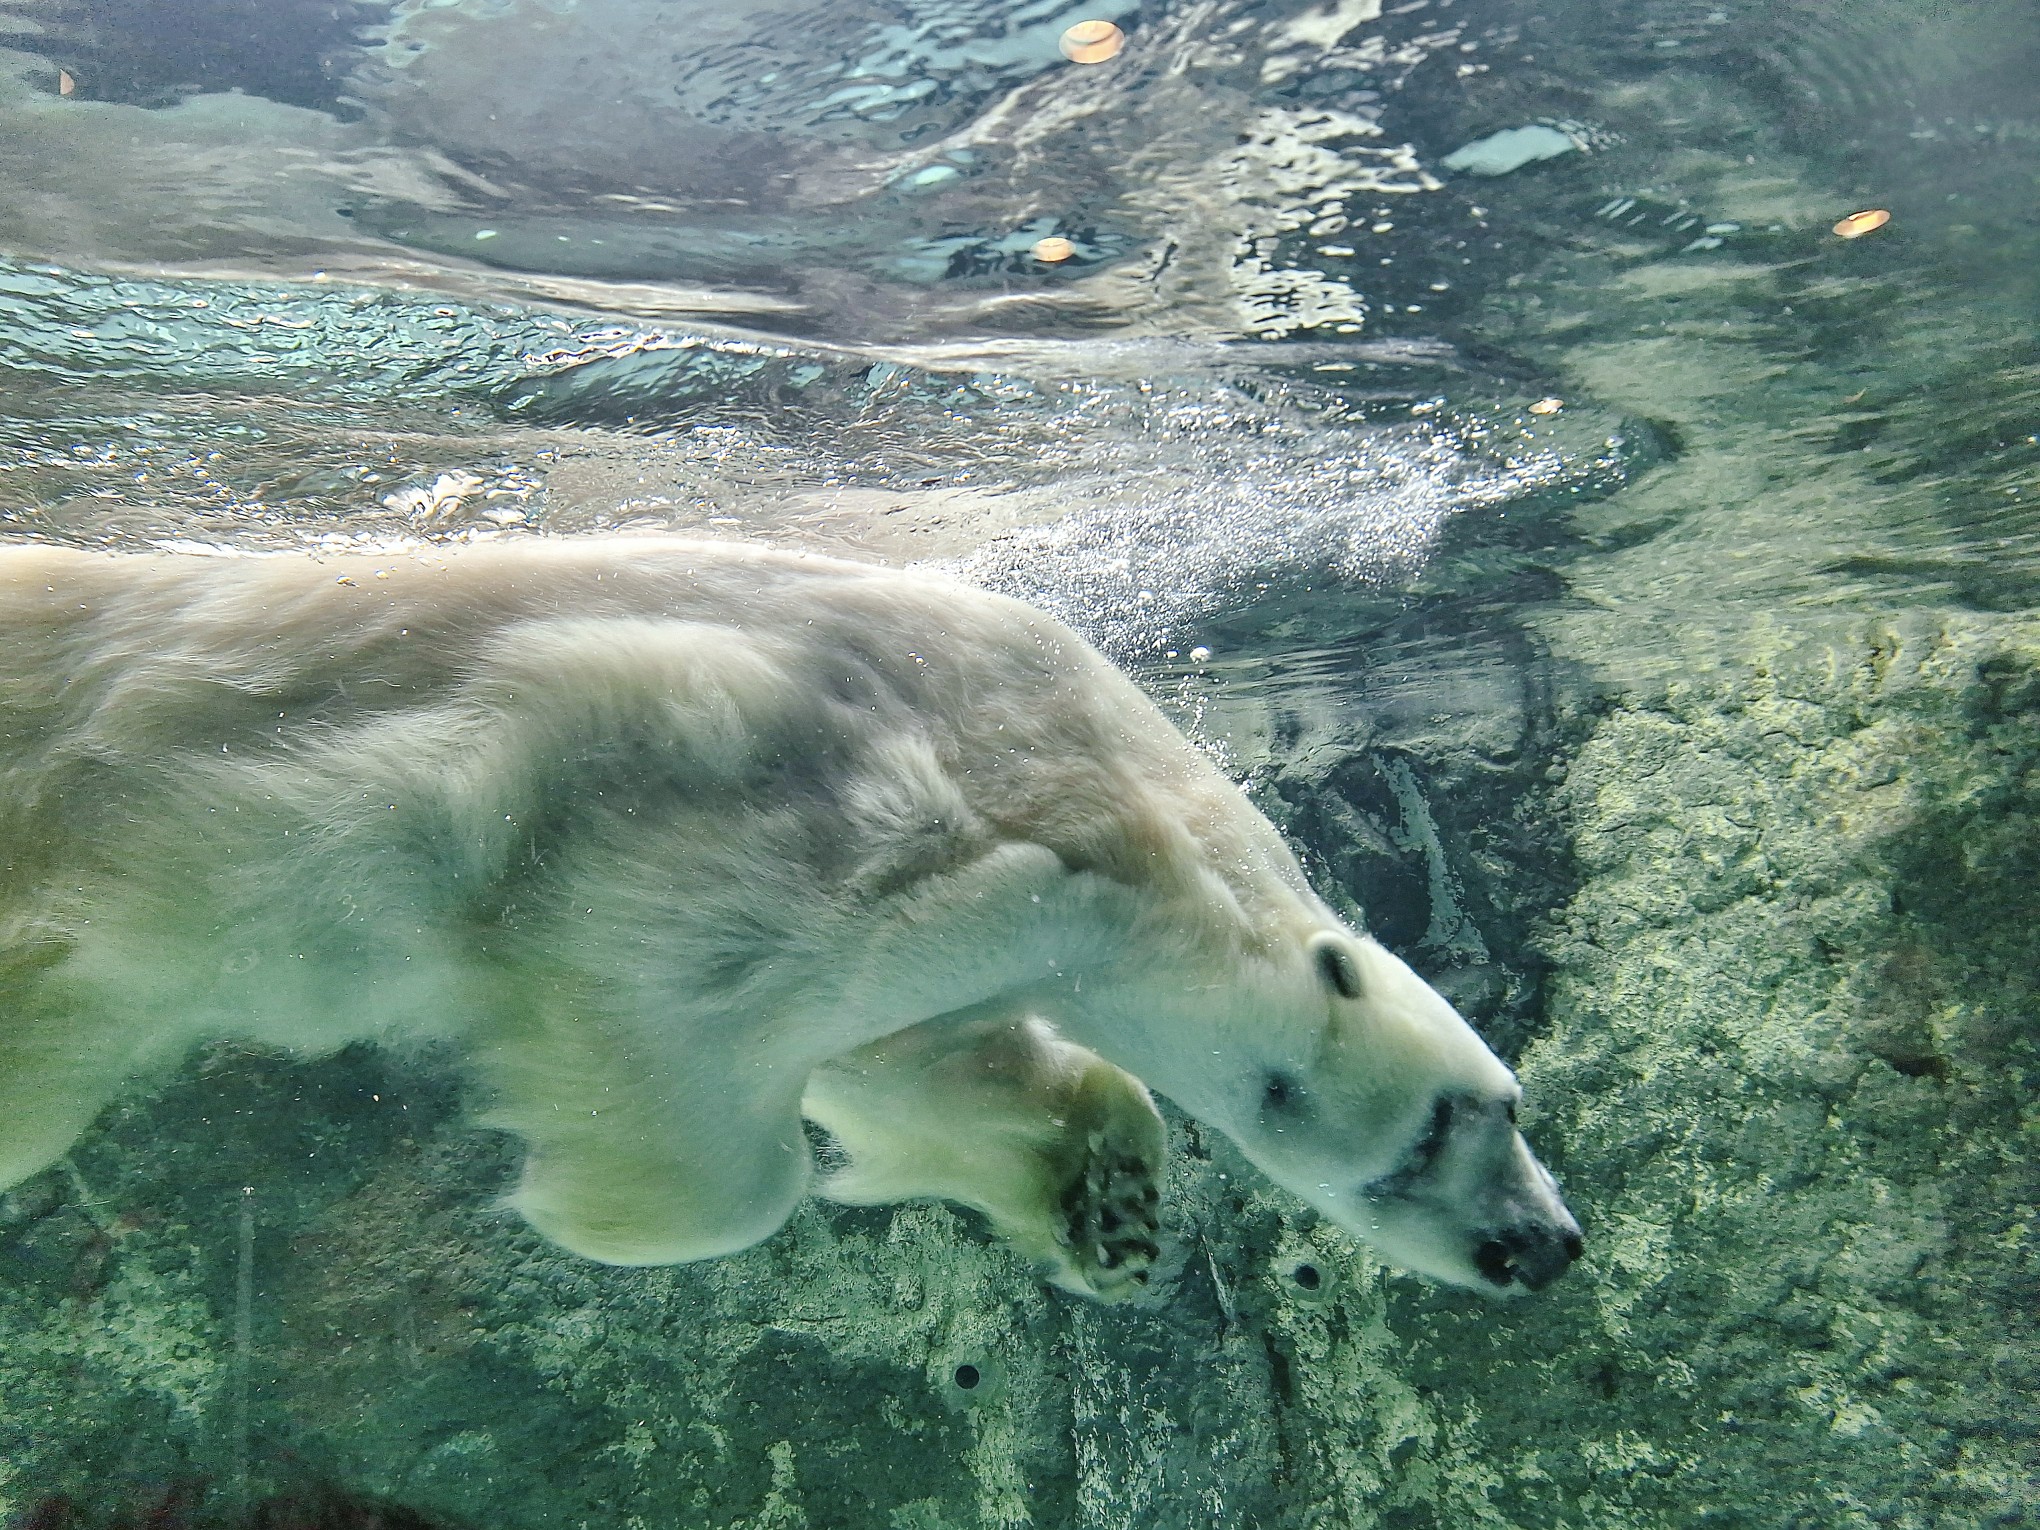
[[1186, 945], [1387, 1112], [1341, 1074]]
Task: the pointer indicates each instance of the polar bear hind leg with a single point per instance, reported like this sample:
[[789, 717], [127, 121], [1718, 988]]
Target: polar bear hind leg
[[1062, 1151]]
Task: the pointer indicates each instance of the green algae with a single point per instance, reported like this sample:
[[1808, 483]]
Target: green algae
[[1811, 1161]]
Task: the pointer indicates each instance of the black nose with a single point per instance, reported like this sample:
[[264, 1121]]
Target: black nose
[[1533, 1255]]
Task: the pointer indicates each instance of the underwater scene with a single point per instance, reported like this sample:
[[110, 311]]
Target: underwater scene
[[754, 757]]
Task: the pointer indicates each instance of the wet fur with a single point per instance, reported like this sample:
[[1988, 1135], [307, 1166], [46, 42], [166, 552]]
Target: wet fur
[[656, 830]]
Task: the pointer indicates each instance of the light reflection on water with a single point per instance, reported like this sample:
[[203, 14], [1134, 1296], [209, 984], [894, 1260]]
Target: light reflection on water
[[1133, 487], [766, 270], [867, 182]]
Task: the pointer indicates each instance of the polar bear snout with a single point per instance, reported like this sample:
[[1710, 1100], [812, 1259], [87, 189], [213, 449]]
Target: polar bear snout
[[1471, 1205], [1530, 1254], [1535, 1239]]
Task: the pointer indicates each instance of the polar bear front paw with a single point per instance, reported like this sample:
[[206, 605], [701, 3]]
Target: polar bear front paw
[[1060, 1149], [1110, 1217], [1107, 1167]]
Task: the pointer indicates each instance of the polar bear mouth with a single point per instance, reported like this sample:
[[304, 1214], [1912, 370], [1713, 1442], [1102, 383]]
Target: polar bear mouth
[[1471, 1192], [1422, 1157]]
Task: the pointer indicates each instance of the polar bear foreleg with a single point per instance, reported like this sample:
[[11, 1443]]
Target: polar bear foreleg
[[61, 1062], [1060, 1149], [636, 1159]]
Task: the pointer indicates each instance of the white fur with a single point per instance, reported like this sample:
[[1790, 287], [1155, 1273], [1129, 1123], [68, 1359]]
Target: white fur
[[656, 829]]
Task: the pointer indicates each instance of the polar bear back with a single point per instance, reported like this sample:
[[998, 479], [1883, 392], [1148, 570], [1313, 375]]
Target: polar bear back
[[364, 751]]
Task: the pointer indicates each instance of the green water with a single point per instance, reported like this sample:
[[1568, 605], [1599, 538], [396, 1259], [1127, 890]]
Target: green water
[[1687, 734]]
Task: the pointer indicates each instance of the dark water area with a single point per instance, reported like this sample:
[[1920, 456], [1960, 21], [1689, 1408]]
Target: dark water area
[[1479, 423]]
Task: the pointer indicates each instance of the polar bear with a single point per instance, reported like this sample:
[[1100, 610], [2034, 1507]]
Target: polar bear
[[681, 841]]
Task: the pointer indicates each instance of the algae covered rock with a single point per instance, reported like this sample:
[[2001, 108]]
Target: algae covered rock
[[1802, 1092]]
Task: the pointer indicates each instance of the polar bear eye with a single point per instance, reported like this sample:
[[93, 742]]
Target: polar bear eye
[[1279, 1092]]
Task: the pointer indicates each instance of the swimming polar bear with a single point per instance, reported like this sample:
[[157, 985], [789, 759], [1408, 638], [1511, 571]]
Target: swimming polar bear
[[681, 841]]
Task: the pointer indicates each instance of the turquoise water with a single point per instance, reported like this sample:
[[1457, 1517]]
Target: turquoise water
[[1618, 584]]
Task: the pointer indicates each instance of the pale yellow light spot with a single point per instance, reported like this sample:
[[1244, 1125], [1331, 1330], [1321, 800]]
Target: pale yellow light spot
[[1547, 406], [1092, 42], [1856, 225], [66, 86], [1052, 250]]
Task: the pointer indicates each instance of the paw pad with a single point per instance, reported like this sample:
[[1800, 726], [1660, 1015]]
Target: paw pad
[[1109, 1218]]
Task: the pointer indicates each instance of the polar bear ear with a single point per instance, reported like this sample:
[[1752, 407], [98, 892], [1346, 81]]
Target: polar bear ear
[[1336, 963]]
